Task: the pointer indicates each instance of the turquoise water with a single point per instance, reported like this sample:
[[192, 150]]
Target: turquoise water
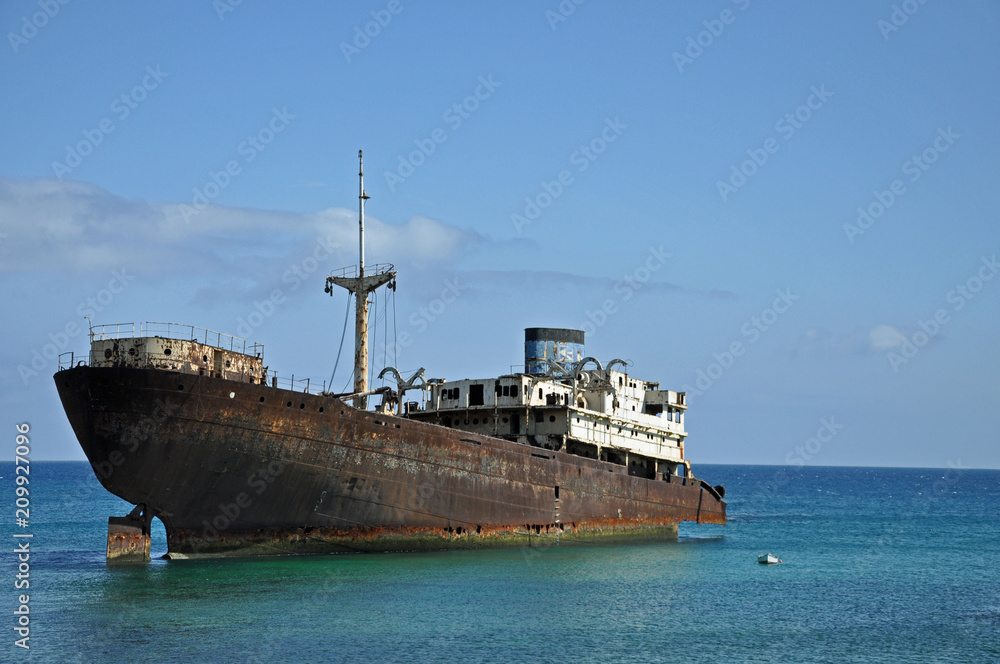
[[880, 565]]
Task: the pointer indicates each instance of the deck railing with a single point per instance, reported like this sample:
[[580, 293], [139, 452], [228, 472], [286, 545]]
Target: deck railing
[[351, 271], [294, 384], [179, 331]]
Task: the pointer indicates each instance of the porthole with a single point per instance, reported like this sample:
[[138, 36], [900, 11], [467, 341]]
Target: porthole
[[107, 353], [227, 364], [475, 420], [302, 406], [552, 418], [321, 409], [180, 388], [166, 351], [262, 399], [232, 395], [288, 405], [204, 358], [131, 351]]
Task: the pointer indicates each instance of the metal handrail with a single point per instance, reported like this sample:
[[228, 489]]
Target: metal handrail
[[67, 360], [351, 271], [102, 334], [179, 331], [304, 385], [70, 359]]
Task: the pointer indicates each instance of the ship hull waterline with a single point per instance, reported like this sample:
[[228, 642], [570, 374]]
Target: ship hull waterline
[[240, 469]]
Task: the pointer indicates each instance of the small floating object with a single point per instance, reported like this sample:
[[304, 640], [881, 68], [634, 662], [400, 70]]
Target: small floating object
[[768, 559]]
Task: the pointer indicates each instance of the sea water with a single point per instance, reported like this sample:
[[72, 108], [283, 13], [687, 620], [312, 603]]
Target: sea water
[[879, 565]]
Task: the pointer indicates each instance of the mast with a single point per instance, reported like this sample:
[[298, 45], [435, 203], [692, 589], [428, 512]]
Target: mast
[[360, 285], [362, 197]]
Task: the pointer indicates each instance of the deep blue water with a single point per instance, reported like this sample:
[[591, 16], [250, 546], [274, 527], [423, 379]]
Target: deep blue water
[[880, 565]]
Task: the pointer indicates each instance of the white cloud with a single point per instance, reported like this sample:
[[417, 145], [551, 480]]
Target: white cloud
[[879, 338], [54, 226], [885, 337]]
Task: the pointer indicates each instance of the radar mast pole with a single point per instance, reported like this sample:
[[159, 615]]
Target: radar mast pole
[[362, 197]]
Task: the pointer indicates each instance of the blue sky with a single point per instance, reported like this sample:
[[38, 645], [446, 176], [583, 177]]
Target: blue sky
[[681, 180]]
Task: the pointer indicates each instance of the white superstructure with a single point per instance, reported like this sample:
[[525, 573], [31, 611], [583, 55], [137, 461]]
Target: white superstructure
[[583, 408]]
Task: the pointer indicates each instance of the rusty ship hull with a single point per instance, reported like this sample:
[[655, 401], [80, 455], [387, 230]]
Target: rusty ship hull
[[248, 469]]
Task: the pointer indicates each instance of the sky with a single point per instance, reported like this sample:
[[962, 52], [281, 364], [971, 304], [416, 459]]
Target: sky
[[786, 209]]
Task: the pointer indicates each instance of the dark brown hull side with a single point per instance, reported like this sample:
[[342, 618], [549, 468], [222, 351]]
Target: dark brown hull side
[[238, 469]]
